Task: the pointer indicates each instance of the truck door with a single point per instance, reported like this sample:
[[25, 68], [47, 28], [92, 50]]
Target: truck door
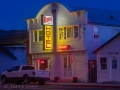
[[13, 73]]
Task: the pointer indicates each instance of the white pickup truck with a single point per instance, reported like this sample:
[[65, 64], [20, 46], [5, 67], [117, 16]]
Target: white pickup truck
[[25, 74]]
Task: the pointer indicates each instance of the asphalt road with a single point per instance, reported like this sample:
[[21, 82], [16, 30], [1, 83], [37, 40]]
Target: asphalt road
[[50, 87]]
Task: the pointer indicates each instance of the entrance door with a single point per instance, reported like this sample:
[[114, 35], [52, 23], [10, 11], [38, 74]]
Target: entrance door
[[114, 69], [92, 70], [44, 64], [67, 67]]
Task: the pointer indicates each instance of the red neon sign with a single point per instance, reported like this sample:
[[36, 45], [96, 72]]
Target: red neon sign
[[64, 47], [42, 62], [48, 20]]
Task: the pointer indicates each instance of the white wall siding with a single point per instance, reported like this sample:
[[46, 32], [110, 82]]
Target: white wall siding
[[82, 67], [64, 18], [105, 75], [91, 43]]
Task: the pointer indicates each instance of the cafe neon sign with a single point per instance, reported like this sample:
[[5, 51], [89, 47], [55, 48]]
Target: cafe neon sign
[[48, 37]]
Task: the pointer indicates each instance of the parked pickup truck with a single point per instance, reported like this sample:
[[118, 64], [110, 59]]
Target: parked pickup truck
[[25, 74]]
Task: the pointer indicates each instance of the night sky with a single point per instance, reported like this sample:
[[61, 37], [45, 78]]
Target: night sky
[[14, 12]]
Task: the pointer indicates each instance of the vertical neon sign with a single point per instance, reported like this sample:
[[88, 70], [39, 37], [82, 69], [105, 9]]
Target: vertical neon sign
[[48, 37]]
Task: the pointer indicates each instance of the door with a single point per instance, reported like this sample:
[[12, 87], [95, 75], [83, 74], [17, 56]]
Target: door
[[44, 64], [67, 67], [114, 69], [13, 73], [92, 70]]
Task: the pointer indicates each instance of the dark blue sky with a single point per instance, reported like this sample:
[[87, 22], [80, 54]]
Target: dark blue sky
[[14, 12]]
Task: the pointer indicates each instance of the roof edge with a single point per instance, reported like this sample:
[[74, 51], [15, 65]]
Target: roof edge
[[95, 51]]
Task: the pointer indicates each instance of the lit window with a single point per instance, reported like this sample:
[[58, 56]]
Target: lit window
[[37, 35], [40, 35], [61, 33], [76, 32], [34, 36], [69, 32], [103, 63], [96, 32]]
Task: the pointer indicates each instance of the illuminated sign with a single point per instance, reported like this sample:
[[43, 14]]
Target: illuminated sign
[[47, 20], [64, 47], [42, 62], [48, 37]]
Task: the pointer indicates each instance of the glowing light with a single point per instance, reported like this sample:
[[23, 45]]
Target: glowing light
[[64, 47], [42, 62], [48, 37], [47, 20]]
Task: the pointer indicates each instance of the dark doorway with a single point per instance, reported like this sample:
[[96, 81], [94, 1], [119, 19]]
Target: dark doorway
[[92, 70]]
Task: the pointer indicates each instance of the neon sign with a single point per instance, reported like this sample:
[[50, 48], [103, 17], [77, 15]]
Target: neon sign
[[64, 47], [47, 20], [48, 37]]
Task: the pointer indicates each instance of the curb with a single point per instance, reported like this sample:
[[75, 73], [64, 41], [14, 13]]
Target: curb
[[78, 85], [99, 86]]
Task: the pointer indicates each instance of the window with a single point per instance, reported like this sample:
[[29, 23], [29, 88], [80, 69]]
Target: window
[[27, 68], [37, 35], [69, 63], [114, 64], [61, 33], [103, 63], [69, 32], [96, 32], [76, 32], [15, 68], [40, 35], [34, 36], [65, 62]]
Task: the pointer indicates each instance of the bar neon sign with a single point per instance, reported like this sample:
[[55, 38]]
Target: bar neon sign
[[64, 47], [48, 37]]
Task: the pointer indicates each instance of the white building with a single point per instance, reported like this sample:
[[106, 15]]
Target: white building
[[108, 60], [65, 37]]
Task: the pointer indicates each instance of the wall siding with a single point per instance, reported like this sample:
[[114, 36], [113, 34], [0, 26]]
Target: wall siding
[[6, 61], [111, 47], [82, 66], [64, 18], [91, 43]]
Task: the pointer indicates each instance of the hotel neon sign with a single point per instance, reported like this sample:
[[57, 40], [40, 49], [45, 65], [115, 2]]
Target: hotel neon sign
[[48, 37]]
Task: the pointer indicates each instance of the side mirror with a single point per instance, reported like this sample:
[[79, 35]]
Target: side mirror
[[8, 70]]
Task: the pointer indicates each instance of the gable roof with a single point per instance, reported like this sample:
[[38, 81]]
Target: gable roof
[[13, 37], [8, 52], [95, 16], [100, 16], [113, 38]]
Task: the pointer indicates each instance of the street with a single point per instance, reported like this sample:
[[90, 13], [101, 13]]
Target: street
[[50, 87]]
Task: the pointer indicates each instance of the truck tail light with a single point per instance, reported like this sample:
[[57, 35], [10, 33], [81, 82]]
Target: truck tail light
[[33, 73]]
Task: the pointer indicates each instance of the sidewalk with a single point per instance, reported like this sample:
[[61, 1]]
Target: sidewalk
[[81, 84]]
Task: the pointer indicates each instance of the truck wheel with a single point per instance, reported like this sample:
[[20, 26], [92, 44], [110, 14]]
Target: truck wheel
[[26, 80], [41, 83], [3, 80]]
